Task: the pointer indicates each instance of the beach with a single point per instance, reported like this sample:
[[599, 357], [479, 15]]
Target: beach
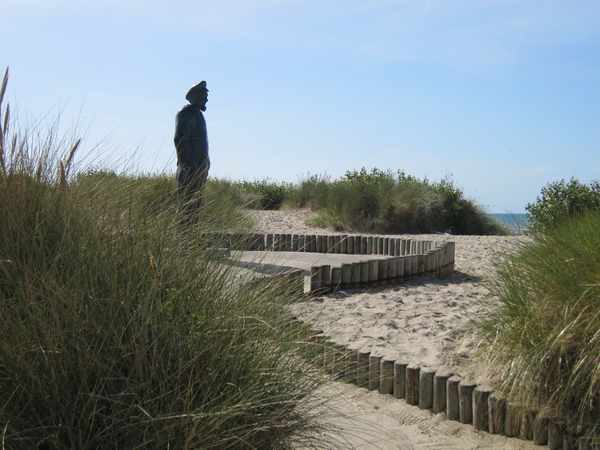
[[425, 322]]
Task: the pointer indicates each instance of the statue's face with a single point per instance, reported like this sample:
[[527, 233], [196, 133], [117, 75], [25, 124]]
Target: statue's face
[[201, 99]]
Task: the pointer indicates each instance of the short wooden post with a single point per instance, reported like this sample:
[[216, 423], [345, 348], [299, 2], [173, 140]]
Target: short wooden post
[[540, 431], [320, 244], [369, 245], [364, 273], [336, 278], [346, 276], [452, 399], [343, 247], [421, 265], [295, 238], [527, 419], [439, 392], [316, 280], [363, 245], [330, 246], [339, 361], [414, 267], [465, 397], [407, 268], [374, 372], [350, 245], [362, 369], [382, 272], [269, 241], [386, 382], [386, 246], [391, 270], [380, 245], [326, 276], [555, 434], [426, 388], [311, 245], [351, 365], [481, 409], [392, 247], [512, 420], [496, 411], [355, 274], [400, 379], [336, 244], [400, 269], [412, 384], [373, 272]]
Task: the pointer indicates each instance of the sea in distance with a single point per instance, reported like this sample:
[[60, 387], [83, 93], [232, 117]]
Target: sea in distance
[[516, 222]]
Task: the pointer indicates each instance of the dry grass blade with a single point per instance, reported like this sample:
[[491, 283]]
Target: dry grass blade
[[71, 153]]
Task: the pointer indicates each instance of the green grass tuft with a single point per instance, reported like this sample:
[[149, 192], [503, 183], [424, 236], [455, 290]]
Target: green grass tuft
[[543, 322]]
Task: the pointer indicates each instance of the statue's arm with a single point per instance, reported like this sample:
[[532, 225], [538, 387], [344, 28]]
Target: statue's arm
[[182, 142]]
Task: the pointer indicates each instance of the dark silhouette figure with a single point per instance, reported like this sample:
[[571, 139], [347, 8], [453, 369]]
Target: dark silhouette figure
[[191, 143]]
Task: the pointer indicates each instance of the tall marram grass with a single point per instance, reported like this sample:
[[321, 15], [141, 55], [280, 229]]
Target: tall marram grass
[[545, 329], [120, 330]]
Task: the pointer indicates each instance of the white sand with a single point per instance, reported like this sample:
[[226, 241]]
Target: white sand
[[423, 321]]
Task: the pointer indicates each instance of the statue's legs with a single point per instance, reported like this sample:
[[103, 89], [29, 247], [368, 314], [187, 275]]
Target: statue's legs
[[190, 185]]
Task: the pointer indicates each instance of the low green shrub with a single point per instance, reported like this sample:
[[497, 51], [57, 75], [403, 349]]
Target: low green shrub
[[270, 194], [560, 201], [384, 201], [542, 322]]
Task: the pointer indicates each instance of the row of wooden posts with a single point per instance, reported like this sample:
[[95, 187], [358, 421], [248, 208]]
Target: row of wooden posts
[[440, 392], [436, 262], [406, 259]]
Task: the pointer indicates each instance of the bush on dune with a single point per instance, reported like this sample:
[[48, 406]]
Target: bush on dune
[[118, 330], [383, 201], [545, 329]]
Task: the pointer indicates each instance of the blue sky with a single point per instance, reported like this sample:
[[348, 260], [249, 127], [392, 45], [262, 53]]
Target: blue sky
[[504, 95]]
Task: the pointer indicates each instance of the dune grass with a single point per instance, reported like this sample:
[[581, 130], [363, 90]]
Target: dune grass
[[118, 329], [545, 329], [384, 201]]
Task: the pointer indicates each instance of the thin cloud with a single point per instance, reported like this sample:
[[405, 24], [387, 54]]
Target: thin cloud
[[420, 17]]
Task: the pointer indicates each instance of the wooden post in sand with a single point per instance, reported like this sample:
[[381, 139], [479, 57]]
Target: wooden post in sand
[[311, 243], [364, 273], [391, 270], [555, 434], [439, 392], [407, 268], [369, 245], [343, 246], [351, 365], [465, 397], [373, 272], [326, 277], [512, 420], [527, 419], [346, 276], [363, 245], [386, 382], [400, 269], [414, 269], [355, 274], [452, 399], [316, 281], [421, 265], [382, 272], [362, 368], [374, 372], [426, 388], [412, 384], [336, 278], [400, 379], [480, 409], [540, 431], [496, 411], [350, 245]]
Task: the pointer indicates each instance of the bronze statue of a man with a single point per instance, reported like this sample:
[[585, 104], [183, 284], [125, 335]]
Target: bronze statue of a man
[[191, 143]]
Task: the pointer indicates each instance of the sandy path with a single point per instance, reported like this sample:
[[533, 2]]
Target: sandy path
[[423, 321]]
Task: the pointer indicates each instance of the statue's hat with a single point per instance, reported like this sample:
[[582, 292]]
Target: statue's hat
[[195, 88]]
